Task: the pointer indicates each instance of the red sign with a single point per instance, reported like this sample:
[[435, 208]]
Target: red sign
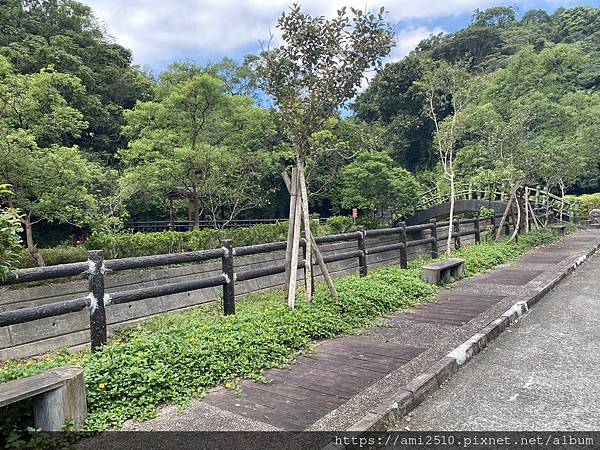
[[354, 213]]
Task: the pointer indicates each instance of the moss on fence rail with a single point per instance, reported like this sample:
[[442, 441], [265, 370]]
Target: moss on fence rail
[[173, 358]]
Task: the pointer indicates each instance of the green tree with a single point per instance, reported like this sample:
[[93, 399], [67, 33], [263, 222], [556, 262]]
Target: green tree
[[371, 182], [198, 140], [447, 84], [65, 35], [318, 68], [49, 181], [532, 122]]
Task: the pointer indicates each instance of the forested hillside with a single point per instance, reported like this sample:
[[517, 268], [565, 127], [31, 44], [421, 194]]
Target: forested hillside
[[519, 57], [88, 140]]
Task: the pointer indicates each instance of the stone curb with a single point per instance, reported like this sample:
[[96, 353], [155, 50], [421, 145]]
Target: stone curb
[[412, 394]]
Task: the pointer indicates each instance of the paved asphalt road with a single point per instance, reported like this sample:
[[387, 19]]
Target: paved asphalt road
[[542, 374]]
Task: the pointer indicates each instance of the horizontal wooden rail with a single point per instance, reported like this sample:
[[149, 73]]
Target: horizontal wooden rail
[[386, 248], [142, 262], [165, 289], [97, 267], [41, 312]]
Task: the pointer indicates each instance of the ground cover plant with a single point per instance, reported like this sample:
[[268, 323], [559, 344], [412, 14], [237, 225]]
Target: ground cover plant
[[173, 358]]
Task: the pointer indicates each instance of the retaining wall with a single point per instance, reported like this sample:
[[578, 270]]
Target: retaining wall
[[72, 330]]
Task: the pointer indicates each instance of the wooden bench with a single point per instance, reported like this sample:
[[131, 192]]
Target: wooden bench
[[559, 228], [58, 396], [441, 271]]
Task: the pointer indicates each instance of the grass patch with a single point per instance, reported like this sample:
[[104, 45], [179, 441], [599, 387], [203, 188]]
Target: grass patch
[[173, 358]]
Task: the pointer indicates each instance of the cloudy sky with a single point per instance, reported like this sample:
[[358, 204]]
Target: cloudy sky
[[161, 31]]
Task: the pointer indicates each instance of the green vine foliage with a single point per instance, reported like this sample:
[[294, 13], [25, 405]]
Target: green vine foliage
[[176, 357]]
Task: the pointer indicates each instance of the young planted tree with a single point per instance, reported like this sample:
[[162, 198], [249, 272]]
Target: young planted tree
[[447, 86], [319, 66]]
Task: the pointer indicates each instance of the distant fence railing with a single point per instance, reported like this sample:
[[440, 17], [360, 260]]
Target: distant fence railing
[[152, 226], [96, 268], [542, 201]]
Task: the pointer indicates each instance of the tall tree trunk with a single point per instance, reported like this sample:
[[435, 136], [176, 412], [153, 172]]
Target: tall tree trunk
[[517, 223], [450, 226], [562, 199], [31, 247], [196, 211], [307, 230], [527, 226]]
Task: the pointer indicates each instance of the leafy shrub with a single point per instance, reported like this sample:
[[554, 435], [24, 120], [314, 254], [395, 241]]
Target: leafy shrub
[[61, 254], [368, 223], [10, 241], [340, 224], [172, 358], [586, 203], [122, 245]]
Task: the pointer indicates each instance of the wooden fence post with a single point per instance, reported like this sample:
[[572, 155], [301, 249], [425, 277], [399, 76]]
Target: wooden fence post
[[229, 285], [362, 246], [98, 334], [507, 226], [477, 230], [434, 242], [456, 228], [403, 253], [493, 225]]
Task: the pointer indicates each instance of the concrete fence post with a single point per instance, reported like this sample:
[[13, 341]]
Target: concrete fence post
[[403, 240], [98, 334], [434, 241], [229, 275], [362, 246]]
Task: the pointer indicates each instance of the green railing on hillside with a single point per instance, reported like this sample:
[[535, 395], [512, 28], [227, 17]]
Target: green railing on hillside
[[542, 201]]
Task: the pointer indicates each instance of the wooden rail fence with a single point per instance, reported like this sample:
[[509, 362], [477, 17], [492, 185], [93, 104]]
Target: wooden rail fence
[[96, 268]]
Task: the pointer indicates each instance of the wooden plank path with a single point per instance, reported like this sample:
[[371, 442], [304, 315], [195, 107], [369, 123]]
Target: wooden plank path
[[338, 369], [317, 383], [334, 386]]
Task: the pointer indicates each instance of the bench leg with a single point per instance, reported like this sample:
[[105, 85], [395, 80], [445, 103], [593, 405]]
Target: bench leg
[[459, 272], [53, 408], [431, 276]]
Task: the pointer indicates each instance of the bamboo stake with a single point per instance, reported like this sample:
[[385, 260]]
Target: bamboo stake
[[291, 187], [504, 216], [307, 231], [294, 256], [317, 253]]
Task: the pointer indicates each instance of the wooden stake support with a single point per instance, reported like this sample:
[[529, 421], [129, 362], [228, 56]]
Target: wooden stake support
[[294, 188]]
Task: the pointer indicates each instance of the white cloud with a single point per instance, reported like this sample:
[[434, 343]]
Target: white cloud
[[408, 39], [159, 30]]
